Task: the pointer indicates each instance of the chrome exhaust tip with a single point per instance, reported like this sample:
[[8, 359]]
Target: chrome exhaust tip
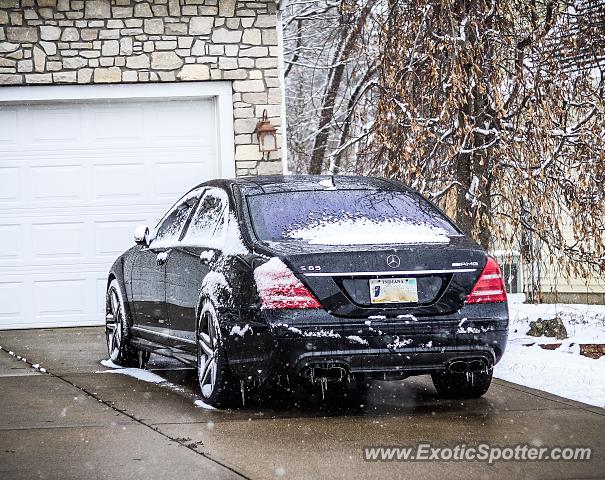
[[331, 373], [477, 366], [458, 366]]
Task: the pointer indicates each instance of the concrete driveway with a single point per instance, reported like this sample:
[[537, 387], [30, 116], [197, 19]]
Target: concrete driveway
[[77, 420]]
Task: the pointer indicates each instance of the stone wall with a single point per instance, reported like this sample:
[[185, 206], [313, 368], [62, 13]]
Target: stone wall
[[123, 41]]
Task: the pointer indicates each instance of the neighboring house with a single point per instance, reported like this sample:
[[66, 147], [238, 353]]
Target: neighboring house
[[552, 286], [109, 110]]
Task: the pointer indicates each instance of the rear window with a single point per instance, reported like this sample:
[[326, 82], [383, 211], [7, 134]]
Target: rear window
[[348, 217]]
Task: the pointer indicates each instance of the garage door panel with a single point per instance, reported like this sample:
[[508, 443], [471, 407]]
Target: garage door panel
[[10, 245], [100, 290], [11, 302], [56, 182], [51, 125], [58, 240], [77, 178], [117, 181], [115, 124], [10, 180], [113, 237], [8, 132], [65, 296], [172, 178], [192, 121]]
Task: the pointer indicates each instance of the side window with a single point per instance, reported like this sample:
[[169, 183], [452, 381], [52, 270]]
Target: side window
[[169, 229], [208, 222]]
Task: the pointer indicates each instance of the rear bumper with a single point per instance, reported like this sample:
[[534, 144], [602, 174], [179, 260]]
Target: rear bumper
[[296, 341]]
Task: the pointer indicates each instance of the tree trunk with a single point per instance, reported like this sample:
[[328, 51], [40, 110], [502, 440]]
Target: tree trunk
[[327, 110]]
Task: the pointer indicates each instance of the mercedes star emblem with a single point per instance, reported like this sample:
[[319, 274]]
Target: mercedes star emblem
[[393, 261]]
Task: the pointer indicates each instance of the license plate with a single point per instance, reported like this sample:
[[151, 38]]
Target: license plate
[[393, 290]]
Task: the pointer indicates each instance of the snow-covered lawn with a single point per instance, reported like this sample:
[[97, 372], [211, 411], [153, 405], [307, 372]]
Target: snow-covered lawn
[[562, 371]]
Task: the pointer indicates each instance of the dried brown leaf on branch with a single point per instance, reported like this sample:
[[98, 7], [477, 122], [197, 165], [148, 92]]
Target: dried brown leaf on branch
[[495, 109]]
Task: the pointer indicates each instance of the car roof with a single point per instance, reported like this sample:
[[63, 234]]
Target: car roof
[[287, 183]]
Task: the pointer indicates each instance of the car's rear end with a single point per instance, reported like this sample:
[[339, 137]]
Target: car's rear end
[[369, 279]]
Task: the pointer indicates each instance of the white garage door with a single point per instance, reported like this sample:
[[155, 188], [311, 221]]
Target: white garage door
[[76, 177]]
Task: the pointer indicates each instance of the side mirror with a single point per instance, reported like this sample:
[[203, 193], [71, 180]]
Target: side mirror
[[141, 235]]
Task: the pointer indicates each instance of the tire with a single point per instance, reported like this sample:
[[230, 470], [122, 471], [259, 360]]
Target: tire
[[117, 331], [216, 384], [459, 385]]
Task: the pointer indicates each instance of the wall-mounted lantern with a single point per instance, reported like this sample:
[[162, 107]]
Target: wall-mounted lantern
[[266, 134]]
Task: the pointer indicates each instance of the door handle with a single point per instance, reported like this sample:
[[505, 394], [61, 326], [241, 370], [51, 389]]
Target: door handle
[[162, 257]]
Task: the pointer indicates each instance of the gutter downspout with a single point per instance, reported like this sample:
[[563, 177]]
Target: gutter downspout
[[281, 70]]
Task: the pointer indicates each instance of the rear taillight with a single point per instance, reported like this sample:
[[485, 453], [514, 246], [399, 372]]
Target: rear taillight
[[490, 285], [278, 288]]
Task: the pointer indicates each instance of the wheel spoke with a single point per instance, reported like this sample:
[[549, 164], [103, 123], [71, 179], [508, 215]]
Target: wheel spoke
[[113, 340], [206, 347], [210, 365], [115, 302], [118, 335], [207, 339], [213, 371]]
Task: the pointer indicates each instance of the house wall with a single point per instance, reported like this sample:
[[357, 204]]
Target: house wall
[[51, 42], [554, 287]]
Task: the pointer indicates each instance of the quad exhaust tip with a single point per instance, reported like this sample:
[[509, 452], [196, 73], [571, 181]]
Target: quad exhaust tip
[[471, 365], [329, 372]]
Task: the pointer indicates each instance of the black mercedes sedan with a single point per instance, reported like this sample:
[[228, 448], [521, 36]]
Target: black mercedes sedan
[[313, 280]]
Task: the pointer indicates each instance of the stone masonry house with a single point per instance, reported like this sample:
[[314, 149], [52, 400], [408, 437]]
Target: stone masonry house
[[109, 110]]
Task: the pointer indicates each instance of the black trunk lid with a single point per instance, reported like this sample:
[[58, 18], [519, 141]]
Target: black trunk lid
[[343, 278]]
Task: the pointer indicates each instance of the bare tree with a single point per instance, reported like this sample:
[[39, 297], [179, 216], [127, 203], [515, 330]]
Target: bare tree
[[330, 56], [496, 110]]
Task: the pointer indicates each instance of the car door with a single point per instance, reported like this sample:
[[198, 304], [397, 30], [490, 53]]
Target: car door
[[190, 262], [149, 272]]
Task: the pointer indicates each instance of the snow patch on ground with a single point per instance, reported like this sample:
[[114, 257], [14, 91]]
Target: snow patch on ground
[[139, 374], [584, 323], [364, 231], [563, 371], [109, 364], [150, 377], [568, 375], [201, 404]]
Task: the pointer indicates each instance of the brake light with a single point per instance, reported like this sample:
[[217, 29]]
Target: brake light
[[278, 288], [490, 285]]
